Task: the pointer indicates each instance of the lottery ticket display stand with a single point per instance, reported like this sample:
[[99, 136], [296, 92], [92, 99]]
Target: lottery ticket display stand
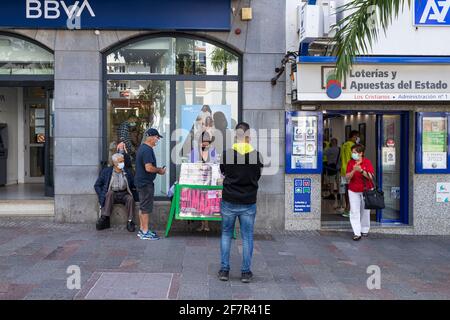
[[198, 194]]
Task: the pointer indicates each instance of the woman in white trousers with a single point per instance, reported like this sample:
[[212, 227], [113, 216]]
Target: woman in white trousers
[[360, 175]]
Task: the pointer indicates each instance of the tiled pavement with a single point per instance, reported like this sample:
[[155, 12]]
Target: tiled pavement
[[114, 264]]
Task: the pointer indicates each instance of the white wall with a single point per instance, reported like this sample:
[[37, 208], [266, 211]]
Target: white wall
[[9, 115], [402, 38]]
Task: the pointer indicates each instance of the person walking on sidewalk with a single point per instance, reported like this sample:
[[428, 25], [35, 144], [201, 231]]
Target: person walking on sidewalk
[[146, 171], [360, 175], [346, 155], [115, 185], [241, 167]]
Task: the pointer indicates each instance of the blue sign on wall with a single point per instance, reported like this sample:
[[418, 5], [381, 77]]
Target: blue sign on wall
[[432, 12], [302, 195], [117, 14]]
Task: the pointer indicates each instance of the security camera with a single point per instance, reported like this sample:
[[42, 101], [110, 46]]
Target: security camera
[[273, 81]]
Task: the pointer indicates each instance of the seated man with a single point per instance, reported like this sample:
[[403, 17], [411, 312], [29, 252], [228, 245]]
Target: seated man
[[115, 185]]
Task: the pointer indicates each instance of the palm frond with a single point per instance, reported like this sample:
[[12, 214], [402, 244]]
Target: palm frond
[[358, 31]]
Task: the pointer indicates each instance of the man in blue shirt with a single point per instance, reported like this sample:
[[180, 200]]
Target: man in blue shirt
[[146, 171]]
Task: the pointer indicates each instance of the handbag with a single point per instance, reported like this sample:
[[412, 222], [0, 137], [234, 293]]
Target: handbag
[[374, 198]]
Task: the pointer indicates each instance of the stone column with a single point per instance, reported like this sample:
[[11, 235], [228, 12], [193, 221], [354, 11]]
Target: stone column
[[78, 125]]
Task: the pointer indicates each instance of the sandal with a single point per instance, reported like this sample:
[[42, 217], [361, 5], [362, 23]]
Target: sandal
[[356, 238]]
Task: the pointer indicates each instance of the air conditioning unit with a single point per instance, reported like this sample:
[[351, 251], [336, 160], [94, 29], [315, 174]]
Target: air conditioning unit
[[316, 21], [329, 18], [309, 22]]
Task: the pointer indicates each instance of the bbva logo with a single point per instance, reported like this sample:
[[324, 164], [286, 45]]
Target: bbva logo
[[51, 9], [436, 10]]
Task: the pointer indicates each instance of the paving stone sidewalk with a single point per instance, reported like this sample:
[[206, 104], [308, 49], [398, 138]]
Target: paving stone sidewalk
[[115, 264]]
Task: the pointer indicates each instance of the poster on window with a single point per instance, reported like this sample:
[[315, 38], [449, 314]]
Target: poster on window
[[299, 134], [388, 157], [304, 162], [299, 148], [434, 143], [195, 203], [434, 160], [304, 145], [213, 119]]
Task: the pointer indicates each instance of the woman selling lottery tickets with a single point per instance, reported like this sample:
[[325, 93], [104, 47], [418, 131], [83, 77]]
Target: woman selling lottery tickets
[[202, 170]]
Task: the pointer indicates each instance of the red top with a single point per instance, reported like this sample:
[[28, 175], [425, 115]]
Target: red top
[[356, 184]]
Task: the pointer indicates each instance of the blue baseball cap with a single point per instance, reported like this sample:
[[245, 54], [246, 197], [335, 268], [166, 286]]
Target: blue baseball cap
[[152, 132]]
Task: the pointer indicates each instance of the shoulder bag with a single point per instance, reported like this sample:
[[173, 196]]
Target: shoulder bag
[[374, 198]]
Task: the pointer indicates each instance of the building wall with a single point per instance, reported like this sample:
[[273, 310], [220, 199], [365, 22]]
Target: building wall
[[403, 38], [78, 106], [9, 114], [426, 216]]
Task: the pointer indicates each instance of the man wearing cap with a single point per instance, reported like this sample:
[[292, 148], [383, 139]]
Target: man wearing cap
[[146, 171]]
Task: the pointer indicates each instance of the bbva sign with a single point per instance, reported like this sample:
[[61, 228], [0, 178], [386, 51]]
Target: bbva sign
[[52, 9], [207, 15], [432, 12]]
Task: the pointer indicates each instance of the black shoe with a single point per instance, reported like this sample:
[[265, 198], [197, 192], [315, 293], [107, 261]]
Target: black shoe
[[131, 226], [223, 275], [356, 238], [103, 223], [246, 277]]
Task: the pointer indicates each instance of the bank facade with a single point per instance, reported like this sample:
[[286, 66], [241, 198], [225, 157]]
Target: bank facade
[[66, 93], [93, 76]]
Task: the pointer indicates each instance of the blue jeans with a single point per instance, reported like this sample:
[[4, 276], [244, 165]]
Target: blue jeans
[[246, 214]]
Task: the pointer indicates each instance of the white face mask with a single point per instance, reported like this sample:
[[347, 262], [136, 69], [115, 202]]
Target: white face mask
[[358, 140], [355, 156], [121, 165]]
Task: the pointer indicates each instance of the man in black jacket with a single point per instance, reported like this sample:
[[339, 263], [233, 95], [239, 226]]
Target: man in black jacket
[[242, 166], [115, 185]]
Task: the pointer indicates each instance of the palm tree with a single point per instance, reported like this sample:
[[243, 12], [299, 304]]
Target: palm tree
[[220, 59], [355, 34]]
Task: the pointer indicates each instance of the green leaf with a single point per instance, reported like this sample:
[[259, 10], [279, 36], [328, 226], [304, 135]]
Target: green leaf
[[357, 32]]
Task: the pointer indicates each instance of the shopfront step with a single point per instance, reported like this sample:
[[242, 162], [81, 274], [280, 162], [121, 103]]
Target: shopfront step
[[388, 229], [158, 218], [27, 208]]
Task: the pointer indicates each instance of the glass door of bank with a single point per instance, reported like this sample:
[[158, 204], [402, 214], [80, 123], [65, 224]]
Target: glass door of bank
[[39, 125], [392, 166]]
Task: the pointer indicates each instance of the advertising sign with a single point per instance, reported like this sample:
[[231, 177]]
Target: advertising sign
[[200, 203], [395, 193], [201, 174], [198, 118], [117, 14], [388, 156], [374, 83], [432, 13], [304, 139], [304, 145], [302, 195], [443, 192], [434, 142]]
